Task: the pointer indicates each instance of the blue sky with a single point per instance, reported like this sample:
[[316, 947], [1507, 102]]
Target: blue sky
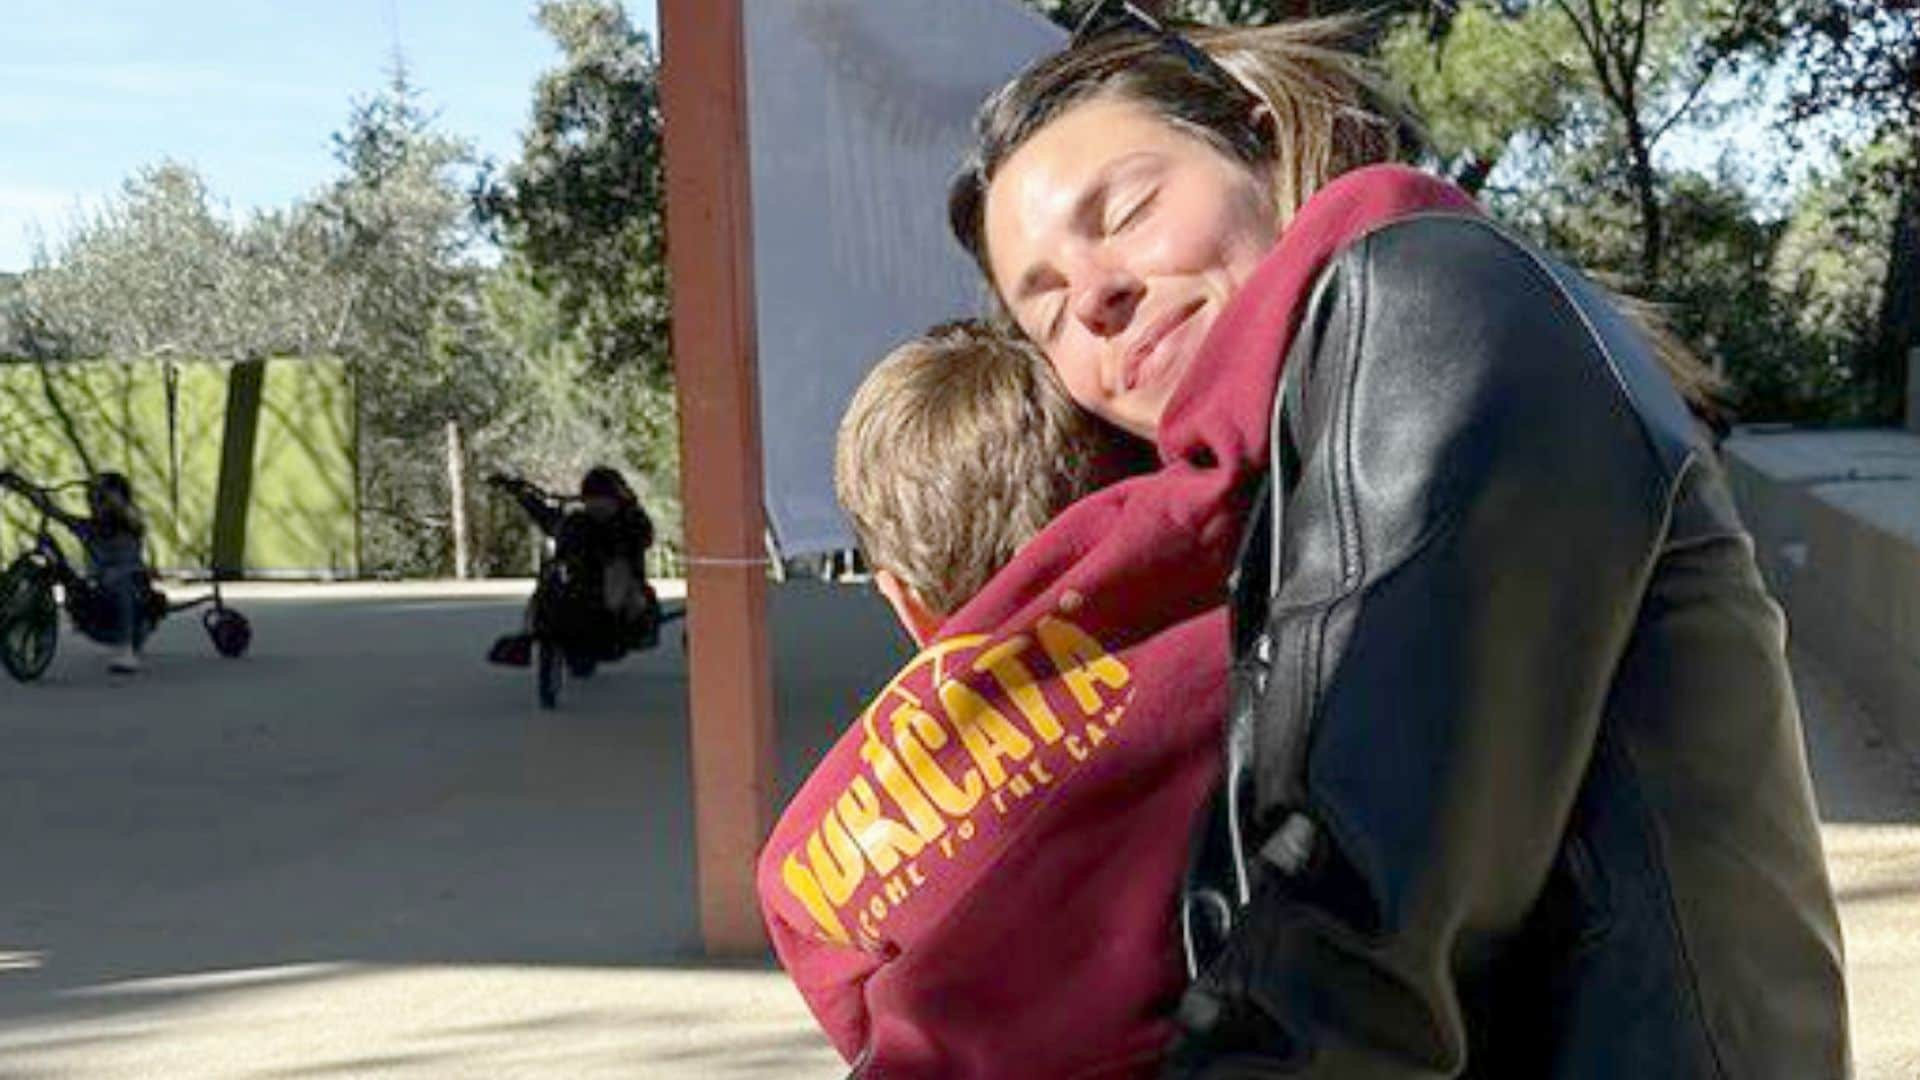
[[246, 91], [249, 91]]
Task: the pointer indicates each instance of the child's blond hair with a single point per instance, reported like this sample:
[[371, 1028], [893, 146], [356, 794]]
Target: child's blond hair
[[957, 449]]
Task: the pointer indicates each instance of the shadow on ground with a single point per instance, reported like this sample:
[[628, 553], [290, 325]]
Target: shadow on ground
[[361, 851], [363, 796]]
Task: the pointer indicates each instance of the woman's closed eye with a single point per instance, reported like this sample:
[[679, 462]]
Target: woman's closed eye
[[1054, 313], [1128, 211]]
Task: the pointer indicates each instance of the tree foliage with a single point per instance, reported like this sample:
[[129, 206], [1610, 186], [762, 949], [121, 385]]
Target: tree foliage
[[156, 270], [1860, 57], [1855, 69], [545, 361], [582, 215], [1593, 85], [1474, 122], [584, 205]]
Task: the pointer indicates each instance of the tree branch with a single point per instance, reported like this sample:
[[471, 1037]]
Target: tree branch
[[1699, 86], [1590, 39], [340, 326], [1639, 45]]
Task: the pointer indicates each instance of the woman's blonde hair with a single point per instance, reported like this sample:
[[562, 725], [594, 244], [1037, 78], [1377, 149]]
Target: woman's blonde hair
[[1298, 105]]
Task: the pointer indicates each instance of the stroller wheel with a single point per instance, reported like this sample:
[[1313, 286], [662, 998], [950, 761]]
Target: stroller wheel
[[29, 633], [230, 631], [550, 667]]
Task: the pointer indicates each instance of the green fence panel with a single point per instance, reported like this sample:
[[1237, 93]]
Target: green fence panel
[[233, 507], [163, 423], [305, 484]]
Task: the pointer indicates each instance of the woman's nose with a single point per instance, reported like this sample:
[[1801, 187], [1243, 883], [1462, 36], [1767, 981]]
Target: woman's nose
[[1105, 306]]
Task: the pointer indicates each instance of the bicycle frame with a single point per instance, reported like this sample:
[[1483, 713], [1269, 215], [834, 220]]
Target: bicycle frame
[[45, 567]]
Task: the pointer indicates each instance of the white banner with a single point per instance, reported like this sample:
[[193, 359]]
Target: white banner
[[858, 111]]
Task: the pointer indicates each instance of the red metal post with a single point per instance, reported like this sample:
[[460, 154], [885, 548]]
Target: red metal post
[[710, 258]]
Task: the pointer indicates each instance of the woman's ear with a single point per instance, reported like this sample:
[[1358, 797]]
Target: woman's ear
[[1266, 170], [920, 620]]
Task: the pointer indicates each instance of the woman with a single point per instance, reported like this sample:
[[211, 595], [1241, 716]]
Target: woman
[[1518, 778]]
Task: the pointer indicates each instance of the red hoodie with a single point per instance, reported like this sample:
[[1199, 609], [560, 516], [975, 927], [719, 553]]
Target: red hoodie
[[980, 878]]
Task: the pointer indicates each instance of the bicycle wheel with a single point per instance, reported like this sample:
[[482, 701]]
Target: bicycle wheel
[[29, 628], [550, 671]]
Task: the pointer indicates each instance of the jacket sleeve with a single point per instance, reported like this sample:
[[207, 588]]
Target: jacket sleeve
[[544, 513], [1471, 504], [814, 944]]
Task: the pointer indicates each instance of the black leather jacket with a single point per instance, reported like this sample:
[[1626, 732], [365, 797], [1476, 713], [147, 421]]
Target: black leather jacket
[[1519, 787]]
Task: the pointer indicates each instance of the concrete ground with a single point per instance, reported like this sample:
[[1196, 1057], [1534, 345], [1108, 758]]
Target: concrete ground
[[362, 852]]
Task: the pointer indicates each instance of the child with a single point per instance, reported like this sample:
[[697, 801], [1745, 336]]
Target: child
[[958, 448], [113, 535], [607, 540], [980, 877]]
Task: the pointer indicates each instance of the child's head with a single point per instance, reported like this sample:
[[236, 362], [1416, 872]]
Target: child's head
[[110, 500], [956, 450], [604, 492]]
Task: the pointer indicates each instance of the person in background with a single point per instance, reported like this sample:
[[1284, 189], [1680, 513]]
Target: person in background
[[113, 535], [606, 539]]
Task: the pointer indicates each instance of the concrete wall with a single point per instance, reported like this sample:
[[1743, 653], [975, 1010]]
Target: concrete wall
[[1835, 517]]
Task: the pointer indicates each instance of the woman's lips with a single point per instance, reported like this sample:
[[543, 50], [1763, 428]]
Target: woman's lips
[[1148, 358]]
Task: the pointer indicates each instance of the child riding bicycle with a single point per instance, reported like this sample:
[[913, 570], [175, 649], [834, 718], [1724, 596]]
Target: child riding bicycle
[[604, 541], [113, 535]]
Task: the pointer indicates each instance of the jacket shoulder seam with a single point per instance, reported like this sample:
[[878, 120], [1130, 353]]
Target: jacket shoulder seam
[[1597, 341]]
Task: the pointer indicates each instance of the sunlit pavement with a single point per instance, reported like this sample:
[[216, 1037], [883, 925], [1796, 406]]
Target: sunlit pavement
[[363, 852], [1870, 800]]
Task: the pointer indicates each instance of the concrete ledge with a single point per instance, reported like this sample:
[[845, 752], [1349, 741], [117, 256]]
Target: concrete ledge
[[1835, 517]]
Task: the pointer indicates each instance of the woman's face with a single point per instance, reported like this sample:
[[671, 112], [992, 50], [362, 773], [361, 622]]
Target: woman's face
[[1116, 240]]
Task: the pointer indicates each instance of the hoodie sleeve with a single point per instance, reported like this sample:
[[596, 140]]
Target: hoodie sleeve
[[819, 954], [831, 978]]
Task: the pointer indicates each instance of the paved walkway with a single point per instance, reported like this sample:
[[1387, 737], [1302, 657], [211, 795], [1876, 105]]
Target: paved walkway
[[361, 852]]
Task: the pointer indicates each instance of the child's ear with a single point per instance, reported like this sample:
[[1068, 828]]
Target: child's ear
[[921, 621]]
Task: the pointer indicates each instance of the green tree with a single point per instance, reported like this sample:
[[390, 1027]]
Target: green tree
[[1648, 63], [396, 235], [158, 271], [581, 214], [1473, 122], [1831, 269], [584, 203], [154, 271], [1855, 65], [559, 416], [1591, 87]]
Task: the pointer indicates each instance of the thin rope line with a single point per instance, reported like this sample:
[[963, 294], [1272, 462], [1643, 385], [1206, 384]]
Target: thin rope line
[[718, 560]]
